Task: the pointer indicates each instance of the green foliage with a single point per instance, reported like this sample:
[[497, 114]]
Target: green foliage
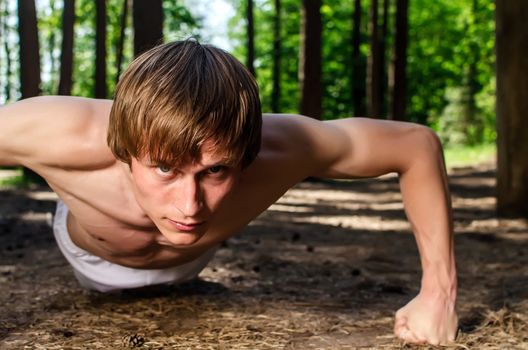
[[336, 53], [49, 25], [337, 59], [9, 53], [450, 71], [264, 13], [84, 49], [485, 104], [114, 11], [17, 180], [178, 23], [466, 122], [450, 61], [461, 155]]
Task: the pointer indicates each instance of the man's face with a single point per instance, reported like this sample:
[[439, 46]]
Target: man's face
[[183, 201]]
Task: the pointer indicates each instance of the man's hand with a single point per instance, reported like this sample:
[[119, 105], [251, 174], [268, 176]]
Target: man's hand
[[427, 319]]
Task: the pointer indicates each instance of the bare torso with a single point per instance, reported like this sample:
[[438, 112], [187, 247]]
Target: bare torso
[[104, 216]]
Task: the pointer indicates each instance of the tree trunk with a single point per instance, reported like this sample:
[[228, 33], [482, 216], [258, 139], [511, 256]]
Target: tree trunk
[[397, 75], [51, 46], [358, 74], [2, 35], [100, 50], [473, 86], [148, 24], [29, 59], [310, 60], [29, 49], [382, 61], [121, 43], [512, 104], [250, 38], [277, 48], [7, 87], [373, 71], [66, 62]]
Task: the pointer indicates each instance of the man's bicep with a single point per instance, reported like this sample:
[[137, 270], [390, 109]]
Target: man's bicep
[[374, 147]]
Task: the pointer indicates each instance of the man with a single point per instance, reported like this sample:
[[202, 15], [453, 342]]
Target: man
[[181, 160]]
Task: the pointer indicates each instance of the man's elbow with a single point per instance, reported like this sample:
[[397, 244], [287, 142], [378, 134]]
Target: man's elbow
[[423, 146], [428, 140]]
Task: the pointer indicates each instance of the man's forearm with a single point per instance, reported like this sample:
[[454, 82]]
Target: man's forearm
[[428, 206]]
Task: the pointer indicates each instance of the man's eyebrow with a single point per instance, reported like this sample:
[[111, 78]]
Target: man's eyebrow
[[220, 162]]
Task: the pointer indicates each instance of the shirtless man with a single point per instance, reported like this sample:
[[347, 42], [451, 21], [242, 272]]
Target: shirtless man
[[182, 159]]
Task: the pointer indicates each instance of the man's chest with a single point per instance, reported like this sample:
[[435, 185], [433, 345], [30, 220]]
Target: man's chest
[[123, 243]]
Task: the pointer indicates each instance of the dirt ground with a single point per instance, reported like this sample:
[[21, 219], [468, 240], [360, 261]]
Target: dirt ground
[[324, 268]]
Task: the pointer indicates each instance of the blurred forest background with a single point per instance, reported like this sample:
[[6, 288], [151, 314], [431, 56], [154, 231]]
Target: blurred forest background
[[449, 48], [430, 62]]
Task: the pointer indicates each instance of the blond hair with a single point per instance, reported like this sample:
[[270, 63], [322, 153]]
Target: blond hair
[[177, 96]]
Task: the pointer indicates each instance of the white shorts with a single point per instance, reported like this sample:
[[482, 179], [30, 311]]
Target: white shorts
[[95, 273]]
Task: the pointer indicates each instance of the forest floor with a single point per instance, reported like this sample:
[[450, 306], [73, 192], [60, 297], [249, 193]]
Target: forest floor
[[324, 268]]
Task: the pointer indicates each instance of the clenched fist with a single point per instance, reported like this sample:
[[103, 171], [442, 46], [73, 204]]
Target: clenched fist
[[427, 319]]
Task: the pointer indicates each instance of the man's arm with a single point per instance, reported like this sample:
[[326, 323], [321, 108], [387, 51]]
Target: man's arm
[[367, 148], [13, 143], [29, 129], [52, 131]]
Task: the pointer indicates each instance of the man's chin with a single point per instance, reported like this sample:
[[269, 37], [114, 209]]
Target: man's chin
[[178, 239]]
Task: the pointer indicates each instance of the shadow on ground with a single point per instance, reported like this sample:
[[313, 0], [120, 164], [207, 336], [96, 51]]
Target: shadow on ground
[[324, 268]]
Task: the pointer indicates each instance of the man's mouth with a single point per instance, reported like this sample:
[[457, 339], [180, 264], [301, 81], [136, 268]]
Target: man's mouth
[[186, 226]]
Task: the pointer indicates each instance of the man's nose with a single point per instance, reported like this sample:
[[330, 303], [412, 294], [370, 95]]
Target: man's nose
[[191, 200]]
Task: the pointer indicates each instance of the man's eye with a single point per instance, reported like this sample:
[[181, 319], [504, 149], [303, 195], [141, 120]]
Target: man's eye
[[215, 169], [164, 169]]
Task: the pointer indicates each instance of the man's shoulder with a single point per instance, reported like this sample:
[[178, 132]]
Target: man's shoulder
[[46, 113], [306, 146], [288, 130], [292, 145], [68, 111], [304, 138], [55, 130]]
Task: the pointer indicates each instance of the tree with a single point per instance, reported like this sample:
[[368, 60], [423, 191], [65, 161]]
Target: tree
[[100, 50], [29, 49], [436, 59], [310, 59], [250, 38], [358, 76], [148, 24], [438, 51], [470, 121], [373, 70], [66, 62], [512, 104], [265, 16], [49, 49], [29, 58], [1, 28], [5, 30], [277, 48], [121, 42], [397, 74], [382, 52]]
